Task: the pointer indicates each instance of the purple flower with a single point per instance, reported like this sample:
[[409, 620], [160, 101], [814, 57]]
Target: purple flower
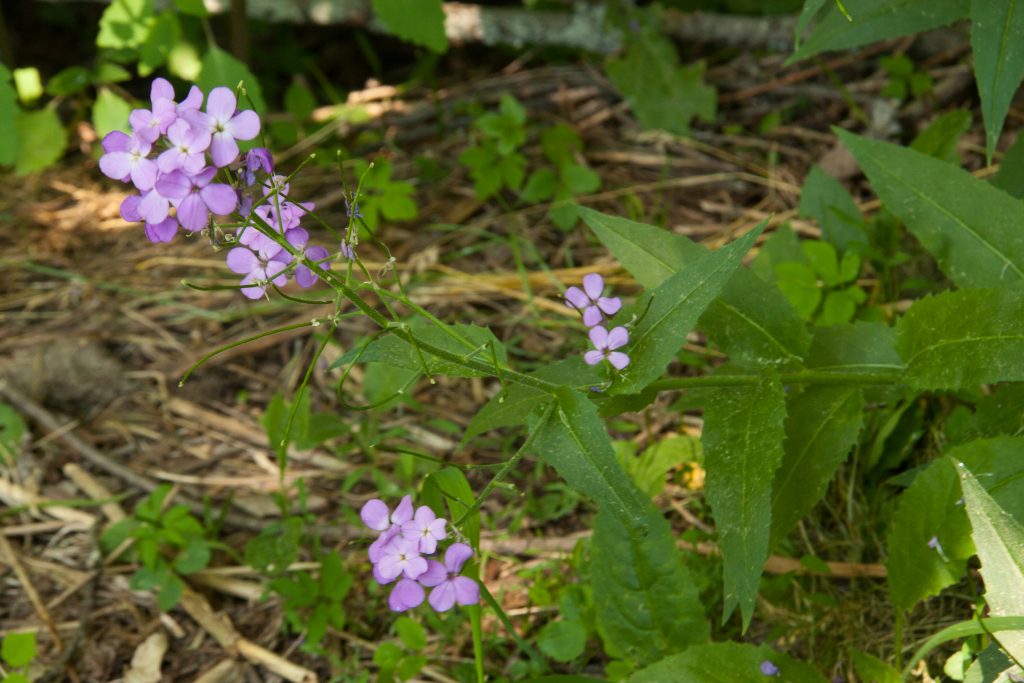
[[768, 668], [347, 251], [590, 302], [299, 238], [224, 126], [405, 595], [605, 343], [258, 272], [255, 159], [352, 210], [125, 159], [276, 184], [425, 528], [196, 197], [449, 587], [375, 514], [150, 124], [187, 151], [163, 231], [402, 556]]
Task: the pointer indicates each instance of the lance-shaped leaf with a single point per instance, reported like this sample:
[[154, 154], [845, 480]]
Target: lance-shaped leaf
[[751, 320], [963, 338], [575, 442], [648, 606], [974, 230], [728, 663], [743, 435], [999, 540], [860, 347], [822, 424], [997, 46]]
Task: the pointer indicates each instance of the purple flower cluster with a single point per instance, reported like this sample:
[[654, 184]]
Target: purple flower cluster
[[406, 537], [595, 307]]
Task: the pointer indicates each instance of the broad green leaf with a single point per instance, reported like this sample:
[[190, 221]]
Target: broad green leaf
[[194, 7], [193, 557], [824, 199], [727, 662], [860, 347], [65, 82], [1010, 178], [28, 84], [575, 442], [580, 179], [974, 230], [874, 20], [563, 640], [822, 424], [541, 186], [411, 633], [799, 284], [743, 446], [221, 69], [994, 414], [649, 607], [19, 649], [870, 668], [823, 259], [468, 342], [418, 21], [661, 92], [8, 118], [41, 140], [961, 339], [999, 540], [997, 46], [110, 112], [163, 36], [939, 139], [650, 467], [992, 666], [125, 24], [672, 310], [449, 486]]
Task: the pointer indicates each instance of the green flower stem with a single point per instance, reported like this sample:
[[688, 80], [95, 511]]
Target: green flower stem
[[276, 330]]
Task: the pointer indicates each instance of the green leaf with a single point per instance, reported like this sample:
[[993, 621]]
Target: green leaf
[[541, 186], [822, 424], [999, 540], [28, 84], [661, 92], [672, 310], [860, 347], [221, 69], [997, 33], [649, 606], [800, 286], [564, 214], [580, 179], [560, 143], [751, 320], [870, 668], [9, 112], [839, 307], [743, 436], [874, 20], [575, 442], [941, 136], [334, 581], [411, 633], [648, 469], [162, 38], [449, 488], [563, 640], [963, 338], [991, 666], [418, 21], [110, 112], [469, 342], [41, 140], [726, 662], [1010, 178], [170, 593], [18, 649], [192, 7], [973, 229], [1000, 412], [65, 82], [125, 24], [824, 199], [823, 259], [299, 101], [193, 557]]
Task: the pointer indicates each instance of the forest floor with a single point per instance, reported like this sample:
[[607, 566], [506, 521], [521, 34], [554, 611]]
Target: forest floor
[[97, 329]]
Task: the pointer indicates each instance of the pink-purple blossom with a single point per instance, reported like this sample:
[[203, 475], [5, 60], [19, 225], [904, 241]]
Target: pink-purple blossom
[[196, 197], [224, 125], [605, 343], [259, 273], [591, 302], [426, 529], [448, 587], [187, 151], [126, 159], [768, 668]]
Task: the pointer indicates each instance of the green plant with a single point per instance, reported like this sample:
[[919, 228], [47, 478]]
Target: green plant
[[904, 80], [380, 196], [311, 605], [561, 146], [494, 160], [17, 651]]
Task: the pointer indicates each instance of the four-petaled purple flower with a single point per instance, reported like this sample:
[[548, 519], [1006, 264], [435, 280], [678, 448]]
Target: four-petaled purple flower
[[402, 556], [605, 343], [426, 529], [259, 273], [126, 159], [768, 668], [187, 151], [449, 587], [224, 126], [197, 197], [590, 300]]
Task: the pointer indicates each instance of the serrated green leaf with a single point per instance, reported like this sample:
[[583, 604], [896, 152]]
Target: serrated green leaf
[[726, 662], [997, 37], [822, 424], [750, 320], [41, 140], [874, 20], [649, 607], [220, 69], [163, 36], [563, 640], [974, 230], [824, 199], [418, 21], [941, 136], [743, 446], [110, 112], [18, 649], [673, 308], [575, 442], [860, 347], [650, 467], [963, 338], [9, 112], [1000, 412], [465, 341], [125, 24], [999, 540]]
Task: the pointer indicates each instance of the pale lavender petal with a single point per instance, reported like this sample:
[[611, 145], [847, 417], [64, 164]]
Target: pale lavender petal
[[406, 595], [221, 104], [456, 556], [245, 125], [374, 513], [173, 185], [592, 316], [116, 165], [593, 357], [428, 544], [144, 174], [424, 516], [297, 237], [163, 231], [242, 261], [598, 337], [180, 133], [193, 101], [438, 529], [415, 566], [593, 285], [273, 268], [249, 287], [435, 575], [402, 513], [610, 305], [618, 337], [130, 208], [383, 543], [224, 149], [380, 579], [304, 277], [575, 298], [220, 198], [192, 213], [161, 89], [203, 177], [154, 206], [116, 141], [193, 164], [144, 124], [442, 598], [170, 160], [319, 255], [467, 591], [390, 566], [618, 359]]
